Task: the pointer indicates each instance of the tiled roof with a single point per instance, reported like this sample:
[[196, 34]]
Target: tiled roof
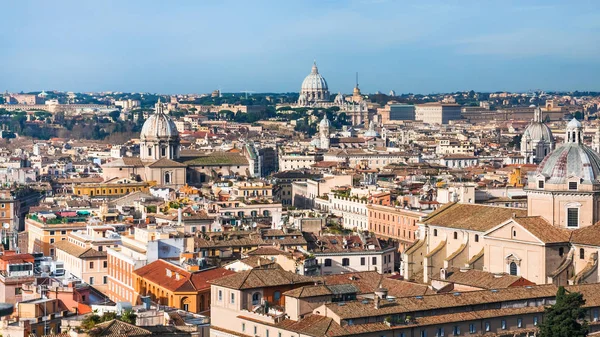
[[217, 159], [259, 278], [481, 279], [587, 236], [256, 261], [543, 230], [166, 162], [322, 290], [77, 251], [472, 217], [267, 251], [116, 328], [156, 272], [367, 282]]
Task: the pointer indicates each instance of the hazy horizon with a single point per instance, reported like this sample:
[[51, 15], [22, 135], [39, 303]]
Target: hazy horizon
[[269, 46]]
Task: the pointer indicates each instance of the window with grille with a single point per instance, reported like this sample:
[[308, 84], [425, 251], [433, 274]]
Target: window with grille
[[572, 217], [572, 185]]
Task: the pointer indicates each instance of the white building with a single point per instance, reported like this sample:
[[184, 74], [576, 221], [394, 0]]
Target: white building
[[437, 113]]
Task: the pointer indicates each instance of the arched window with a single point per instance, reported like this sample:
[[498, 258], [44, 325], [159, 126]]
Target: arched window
[[513, 268], [168, 178], [476, 238], [581, 253], [435, 232], [561, 251]]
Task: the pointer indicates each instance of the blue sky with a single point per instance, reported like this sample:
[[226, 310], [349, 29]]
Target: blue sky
[[197, 46]]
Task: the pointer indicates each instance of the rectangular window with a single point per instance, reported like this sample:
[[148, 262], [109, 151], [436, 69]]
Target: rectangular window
[[51, 232], [220, 295], [503, 325], [540, 184], [572, 217], [572, 185], [91, 280], [456, 330], [595, 315], [104, 279], [535, 320], [487, 326], [472, 328], [423, 333], [243, 327], [255, 330], [519, 323], [91, 265], [51, 240], [362, 261], [440, 332], [374, 260], [63, 232], [105, 264], [232, 298]]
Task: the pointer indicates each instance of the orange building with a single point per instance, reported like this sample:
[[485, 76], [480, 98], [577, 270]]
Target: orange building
[[395, 223], [172, 285]]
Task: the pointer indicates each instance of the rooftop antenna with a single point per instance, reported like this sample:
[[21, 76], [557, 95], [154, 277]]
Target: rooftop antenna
[[357, 79]]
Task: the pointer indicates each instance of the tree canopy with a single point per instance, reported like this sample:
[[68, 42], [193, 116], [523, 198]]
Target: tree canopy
[[566, 318]]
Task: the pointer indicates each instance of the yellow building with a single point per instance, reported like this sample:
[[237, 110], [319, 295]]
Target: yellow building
[[115, 187], [43, 232]]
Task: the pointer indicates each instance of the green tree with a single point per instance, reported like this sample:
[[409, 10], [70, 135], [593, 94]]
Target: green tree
[[129, 316], [90, 321], [566, 318], [114, 115]]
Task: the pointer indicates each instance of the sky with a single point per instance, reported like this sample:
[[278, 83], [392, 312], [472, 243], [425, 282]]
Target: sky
[[269, 46]]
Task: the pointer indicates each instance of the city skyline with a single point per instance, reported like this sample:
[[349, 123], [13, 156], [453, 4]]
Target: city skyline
[[199, 47]]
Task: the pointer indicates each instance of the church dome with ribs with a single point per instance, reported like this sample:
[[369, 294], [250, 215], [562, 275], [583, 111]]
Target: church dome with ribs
[[571, 159]]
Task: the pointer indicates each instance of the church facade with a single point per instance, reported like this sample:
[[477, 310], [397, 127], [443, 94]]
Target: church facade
[[555, 241]]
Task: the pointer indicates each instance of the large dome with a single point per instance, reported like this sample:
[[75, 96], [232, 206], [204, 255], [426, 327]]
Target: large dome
[[572, 158], [538, 131], [159, 126], [314, 81]]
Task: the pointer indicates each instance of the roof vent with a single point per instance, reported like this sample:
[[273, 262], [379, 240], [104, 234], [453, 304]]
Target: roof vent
[[494, 290], [528, 287]]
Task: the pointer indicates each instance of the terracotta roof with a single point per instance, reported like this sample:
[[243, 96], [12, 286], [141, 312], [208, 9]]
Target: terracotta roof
[[257, 261], [472, 217], [166, 162], [367, 282], [259, 278], [165, 274], [78, 251], [116, 328], [587, 236], [322, 290], [267, 251], [543, 230], [481, 279]]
